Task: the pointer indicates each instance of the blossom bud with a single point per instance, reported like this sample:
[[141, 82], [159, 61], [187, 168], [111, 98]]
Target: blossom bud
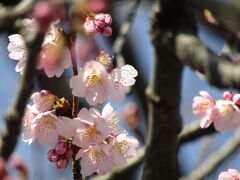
[[227, 95], [61, 148], [106, 31], [131, 115], [62, 163], [20, 165], [236, 99], [69, 153], [52, 156]]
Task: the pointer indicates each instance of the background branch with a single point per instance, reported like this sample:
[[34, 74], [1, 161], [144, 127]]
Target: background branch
[[193, 131], [215, 159], [217, 70]]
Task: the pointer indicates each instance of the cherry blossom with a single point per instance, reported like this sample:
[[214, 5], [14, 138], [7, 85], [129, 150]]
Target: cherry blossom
[[43, 101], [48, 127], [28, 134], [121, 79], [202, 107], [17, 51], [231, 174], [95, 159], [92, 82], [123, 147], [112, 118], [91, 128], [226, 115]]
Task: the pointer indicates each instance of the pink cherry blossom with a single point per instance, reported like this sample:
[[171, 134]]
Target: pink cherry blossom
[[202, 107], [112, 118], [17, 51], [96, 158], [121, 79], [47, 127], [105, 59], [90, 128], [236, 99], [43, 101], [227, 115], [123, 147], [28, 134], [92, 82], [231, 174]]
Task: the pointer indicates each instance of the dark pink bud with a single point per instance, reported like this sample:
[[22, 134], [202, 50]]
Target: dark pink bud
[[106, 31], [108, 19], [62, 163], [227, 95], [69, 153], [61, 148], [236, 99], [52, 156], [3, 170]]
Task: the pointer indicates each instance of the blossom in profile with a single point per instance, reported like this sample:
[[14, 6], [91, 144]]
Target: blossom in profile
[[202, 107], [17, 51], [121, 79], [230, 174], [92, 82]]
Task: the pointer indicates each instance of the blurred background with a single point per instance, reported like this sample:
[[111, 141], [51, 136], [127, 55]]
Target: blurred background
[[138, 48]]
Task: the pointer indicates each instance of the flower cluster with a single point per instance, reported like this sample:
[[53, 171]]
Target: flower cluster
[[60, 155], [97, 84], [224, 113], [231, 174], [53, 48], [95, 23], [103, 143]]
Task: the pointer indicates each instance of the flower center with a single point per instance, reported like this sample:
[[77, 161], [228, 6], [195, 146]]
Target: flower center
[[97, 156], [48, 122], [94, 79]]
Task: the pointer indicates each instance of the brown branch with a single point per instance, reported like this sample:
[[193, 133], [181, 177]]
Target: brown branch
[[8, 15], [164, 93], [122, 34], [14, 114], [215, 159], [193, 131], [125, 173], [218, 71]]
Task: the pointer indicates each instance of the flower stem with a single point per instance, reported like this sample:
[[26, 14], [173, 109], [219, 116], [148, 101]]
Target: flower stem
[[75, 163]]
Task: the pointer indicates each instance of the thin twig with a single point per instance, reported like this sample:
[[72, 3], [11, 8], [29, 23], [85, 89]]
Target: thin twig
[[13, 116], [193, 131], [215, 159], [8, 15], [122, 34]]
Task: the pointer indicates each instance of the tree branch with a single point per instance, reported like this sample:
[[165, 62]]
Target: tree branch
[[218, 71], [122, 34], [163, 93], [193, 131], [14, 114], [215, 159], [8, 15]]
